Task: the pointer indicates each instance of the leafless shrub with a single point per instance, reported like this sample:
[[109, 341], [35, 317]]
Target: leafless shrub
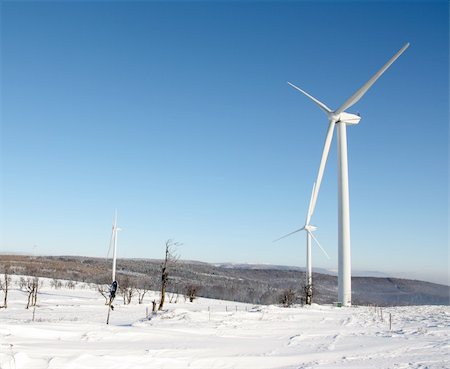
[[174, 286], [127, 289], [143, 286], [104, 289], [22, 283], [70, 285], [287, 297], [56, 283], [191, 292]]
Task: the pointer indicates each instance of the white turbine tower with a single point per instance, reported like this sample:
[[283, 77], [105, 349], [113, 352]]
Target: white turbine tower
[[341, 118], [113, 244], [114, 284], [309, 229]]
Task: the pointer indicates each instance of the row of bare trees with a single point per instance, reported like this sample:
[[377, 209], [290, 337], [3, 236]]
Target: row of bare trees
[[130, 287], [30, 285]]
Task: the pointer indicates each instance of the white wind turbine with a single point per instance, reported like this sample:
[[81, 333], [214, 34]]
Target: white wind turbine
[[309, 229], [114, 285], [341, 118]]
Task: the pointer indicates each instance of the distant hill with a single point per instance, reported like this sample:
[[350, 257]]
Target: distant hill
[[260, 284]]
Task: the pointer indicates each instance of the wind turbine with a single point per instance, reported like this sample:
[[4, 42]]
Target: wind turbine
[[114, 284], [341, 118], [309, 229]]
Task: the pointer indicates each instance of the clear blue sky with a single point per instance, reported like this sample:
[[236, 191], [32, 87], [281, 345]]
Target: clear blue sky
[[178, 114]]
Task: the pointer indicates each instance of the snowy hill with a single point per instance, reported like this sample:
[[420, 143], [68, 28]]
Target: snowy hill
[[69, 331]]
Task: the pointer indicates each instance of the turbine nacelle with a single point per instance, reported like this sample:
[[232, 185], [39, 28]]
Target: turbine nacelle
[[344, 117], [310, 228]]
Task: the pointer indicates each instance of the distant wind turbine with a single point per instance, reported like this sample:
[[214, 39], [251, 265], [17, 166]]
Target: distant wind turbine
[[342, 119], [309, 229], [114, 284]]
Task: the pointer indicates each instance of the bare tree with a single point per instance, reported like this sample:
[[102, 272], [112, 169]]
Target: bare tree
[[169, 260], [55, 283], [104, 290], [22, 283], [103, 285], [141, 294], [287, 297], [142, 287], [174, 287], [32, 287], [127, 289], [4, 285], [37, 285], [71, 285], [191, 292]]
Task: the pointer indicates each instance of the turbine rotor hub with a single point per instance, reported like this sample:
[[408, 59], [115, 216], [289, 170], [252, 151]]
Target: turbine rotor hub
[[310, 228]]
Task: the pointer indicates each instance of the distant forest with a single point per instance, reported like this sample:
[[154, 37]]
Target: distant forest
[[236, 283]]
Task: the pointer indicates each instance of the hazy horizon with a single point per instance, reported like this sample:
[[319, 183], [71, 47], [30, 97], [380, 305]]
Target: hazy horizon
[[355, 272]]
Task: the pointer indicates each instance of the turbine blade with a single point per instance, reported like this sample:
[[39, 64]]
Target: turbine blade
[[287, 235], [113, 233], [318, 244], [323, 161], [360, 93], [309, 214], [321, 105], [110, 242]]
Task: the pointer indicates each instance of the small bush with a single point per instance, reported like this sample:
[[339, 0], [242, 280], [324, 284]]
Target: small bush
[[287, 297], [191, 292]]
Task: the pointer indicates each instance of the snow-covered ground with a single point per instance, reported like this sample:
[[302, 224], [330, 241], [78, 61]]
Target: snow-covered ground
[[69, 331]]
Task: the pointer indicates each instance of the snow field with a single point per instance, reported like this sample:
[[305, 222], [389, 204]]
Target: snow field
[[69, 331]]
